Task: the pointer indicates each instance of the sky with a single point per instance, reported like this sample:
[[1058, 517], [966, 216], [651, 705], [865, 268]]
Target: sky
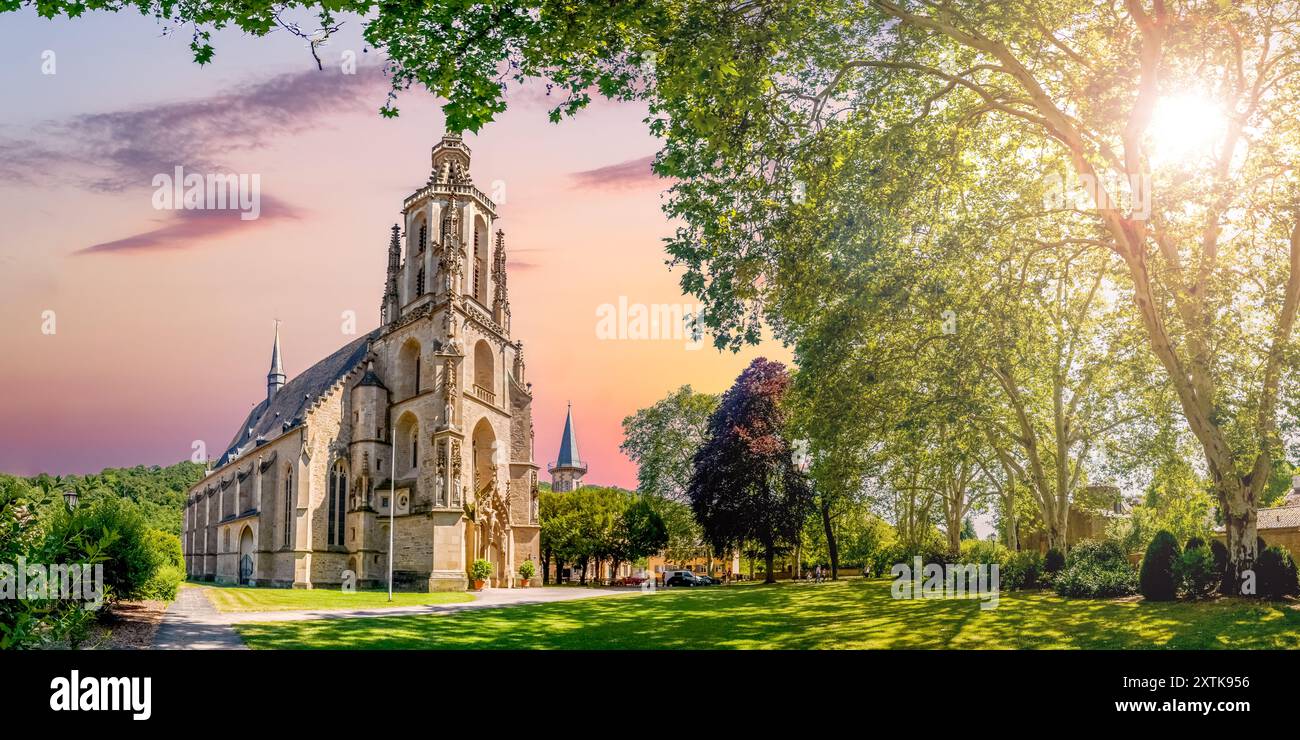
[[130, 333]]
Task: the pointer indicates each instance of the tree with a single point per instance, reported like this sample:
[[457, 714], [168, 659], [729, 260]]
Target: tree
[[662, 440], [640, 532], [745, 485]]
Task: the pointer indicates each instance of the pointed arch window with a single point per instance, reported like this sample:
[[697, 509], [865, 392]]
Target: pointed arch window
[[338, 493], [288, 506], [478, 278], [424, 235]]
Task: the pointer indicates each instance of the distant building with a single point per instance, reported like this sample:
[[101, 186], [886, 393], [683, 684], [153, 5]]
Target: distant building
[[1278, 525]]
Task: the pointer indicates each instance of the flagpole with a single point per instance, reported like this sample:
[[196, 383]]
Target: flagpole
[[392, 504]]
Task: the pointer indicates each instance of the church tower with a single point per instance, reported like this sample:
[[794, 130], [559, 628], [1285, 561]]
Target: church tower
[[275, 379], [567, 472]]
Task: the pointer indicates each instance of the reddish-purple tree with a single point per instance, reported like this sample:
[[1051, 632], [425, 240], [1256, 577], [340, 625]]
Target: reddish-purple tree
[[745, 487]]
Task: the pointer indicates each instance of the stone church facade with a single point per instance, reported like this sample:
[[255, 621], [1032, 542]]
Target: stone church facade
[[425, 422]]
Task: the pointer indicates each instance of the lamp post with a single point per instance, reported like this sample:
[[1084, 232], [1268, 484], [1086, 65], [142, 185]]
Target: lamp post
[[70, 497], [801, 459], [392, 505]]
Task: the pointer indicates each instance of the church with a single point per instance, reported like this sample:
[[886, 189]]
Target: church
[[425, 422]]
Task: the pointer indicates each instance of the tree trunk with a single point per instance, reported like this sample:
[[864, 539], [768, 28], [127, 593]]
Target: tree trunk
[[582, 576], [769, 555], [830, 541], [1240, 527], [546, 568]]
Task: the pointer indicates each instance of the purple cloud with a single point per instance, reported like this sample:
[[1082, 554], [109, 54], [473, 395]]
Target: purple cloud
[[187, 228], [634, 173]]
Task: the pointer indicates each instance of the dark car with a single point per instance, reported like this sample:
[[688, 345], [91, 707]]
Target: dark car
[[683, 579], [708, 581]]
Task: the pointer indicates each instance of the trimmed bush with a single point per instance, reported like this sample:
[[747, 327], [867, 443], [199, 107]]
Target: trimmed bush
[[1220, 552], [480, 570], [1275, 574], [1054, 562], [1193, 543], [1096, 569], [1022, 570], [1197, 572], [1158, 580]]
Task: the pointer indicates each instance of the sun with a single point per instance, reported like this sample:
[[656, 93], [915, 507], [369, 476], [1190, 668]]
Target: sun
[[1184, 130]]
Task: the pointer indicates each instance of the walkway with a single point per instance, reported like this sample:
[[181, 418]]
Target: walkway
[[193, 623]]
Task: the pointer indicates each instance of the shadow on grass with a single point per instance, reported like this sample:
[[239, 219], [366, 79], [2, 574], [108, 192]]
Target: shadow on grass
[[851, 614]]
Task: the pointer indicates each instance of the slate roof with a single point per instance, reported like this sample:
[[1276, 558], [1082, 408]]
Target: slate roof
[[289, 407], [568, 457]]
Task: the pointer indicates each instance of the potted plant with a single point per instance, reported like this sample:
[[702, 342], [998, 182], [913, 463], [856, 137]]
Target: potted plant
[[526, 570], [479, 572]]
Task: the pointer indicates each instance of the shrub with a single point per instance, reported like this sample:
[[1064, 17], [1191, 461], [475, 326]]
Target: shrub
[[1197, 572], [527, 569], [1193, 543], [1158, 580], [1054, 562], [111, 531], [1022, 570], [164, 583], [480, 570], [1220, 552], [983, 552], [1275, 574], [1096, 569]]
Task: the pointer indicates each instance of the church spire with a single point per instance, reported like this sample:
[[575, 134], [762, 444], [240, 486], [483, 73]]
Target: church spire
[[388, 312], [275, 378], [567, 472]]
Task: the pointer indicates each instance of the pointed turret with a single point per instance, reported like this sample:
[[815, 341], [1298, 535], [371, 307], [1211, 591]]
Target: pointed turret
[[275, 379], [392, 300], [567, 472]]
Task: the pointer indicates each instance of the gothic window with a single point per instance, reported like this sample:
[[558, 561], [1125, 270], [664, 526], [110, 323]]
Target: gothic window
[[338, 493], [417, 373], [478, 284], [415, 448], [419, 282], [424, 235], [288, 506]]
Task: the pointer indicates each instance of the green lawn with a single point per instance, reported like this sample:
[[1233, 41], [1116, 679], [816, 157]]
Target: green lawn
[[853, 613], [244, 599]]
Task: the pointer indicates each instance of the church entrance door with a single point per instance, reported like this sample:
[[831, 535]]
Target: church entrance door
[[246, 557]]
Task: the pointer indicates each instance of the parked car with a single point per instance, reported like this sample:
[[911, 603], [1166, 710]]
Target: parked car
[[708, 581], [683, 578]]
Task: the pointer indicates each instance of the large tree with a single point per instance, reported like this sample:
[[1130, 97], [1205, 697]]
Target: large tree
[[745, 486]]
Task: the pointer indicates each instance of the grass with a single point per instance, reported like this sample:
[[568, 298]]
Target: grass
[[849, 614], [245, 599]]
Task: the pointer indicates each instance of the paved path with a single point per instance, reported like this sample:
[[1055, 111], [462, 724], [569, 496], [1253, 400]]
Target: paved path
[[189, 624], [192, 622]]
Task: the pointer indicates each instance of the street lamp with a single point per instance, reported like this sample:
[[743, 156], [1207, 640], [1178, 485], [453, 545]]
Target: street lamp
[[70, 498]]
